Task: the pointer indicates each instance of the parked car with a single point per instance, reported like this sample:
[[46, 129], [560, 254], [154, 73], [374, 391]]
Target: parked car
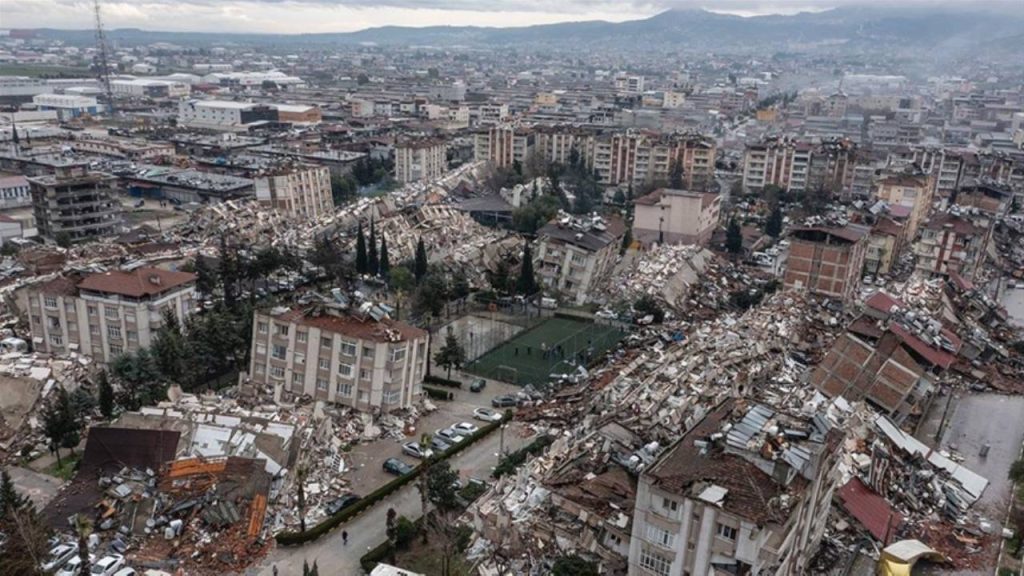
[[486, 414], [505, 401], [413, 449], [59, 556], [107, 565], [73, 566], [438, 444], [126, 572], [478, 385], [449, 435], [465, 428], [606, 315], [339, 504], [396, 467]]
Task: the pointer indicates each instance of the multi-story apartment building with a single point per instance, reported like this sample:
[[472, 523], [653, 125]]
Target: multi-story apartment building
[[950, 243], [910, 188], [503, 145], [14, 192], [74, 203], [885, 244], [574, 256], [417, 160], [300, 190], [826, 260], [106, 314], [797, 166], [633, 157], [747, 490], [676, 217], [370, 364], [555, 143]]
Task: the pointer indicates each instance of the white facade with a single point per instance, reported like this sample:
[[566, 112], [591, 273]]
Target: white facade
[[417, 161], [302, 191], [14, 192]]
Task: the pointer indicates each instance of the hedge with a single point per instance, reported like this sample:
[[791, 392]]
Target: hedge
[[439, 381], [438, 394], [332, 522], [514, 460], [370, 560]]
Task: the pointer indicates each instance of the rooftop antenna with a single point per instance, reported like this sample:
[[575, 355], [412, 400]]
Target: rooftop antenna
[[103, 63]]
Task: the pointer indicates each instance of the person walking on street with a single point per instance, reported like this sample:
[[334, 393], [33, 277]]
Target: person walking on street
[[344, 537]]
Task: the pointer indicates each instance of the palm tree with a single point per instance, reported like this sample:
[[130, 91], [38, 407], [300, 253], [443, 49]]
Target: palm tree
[[83, 527]]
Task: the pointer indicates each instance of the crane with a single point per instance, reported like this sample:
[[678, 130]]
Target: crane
[[103, 62]]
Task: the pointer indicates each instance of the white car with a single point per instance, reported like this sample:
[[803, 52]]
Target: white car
[[73, 567], [413, 449], [486, 414], [59, 556], [606, 315], [449, 435], [464, 428], [126, 572], [107, 565]]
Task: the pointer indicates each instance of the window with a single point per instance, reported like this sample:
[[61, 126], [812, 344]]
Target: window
[[56, 339], [325, 342], [655, 563], [54, 321], [670, 505], [325, 363], [398, 354], [392, 396], [36, 319], [367, 352], [94, 329], [116, 350], [114, 332], [348, 348], [282, 330], [321, 384], [364, 374], [261, 327], [260, 369], [111, 312], [660, 536], [727, 532], [276, 372], [279, 351], [296, 378], [345, 370], [49, 301], [301, 336], [344, 389], [299, 357], [129, 316], [364, 396], [91, 309], [132, 335], [261, 349]]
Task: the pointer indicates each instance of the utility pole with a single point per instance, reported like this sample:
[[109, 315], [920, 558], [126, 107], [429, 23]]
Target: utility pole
[[103, 61]]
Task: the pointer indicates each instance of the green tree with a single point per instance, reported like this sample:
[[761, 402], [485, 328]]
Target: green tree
[[773, 226], [361, 265], [675, 175], [419, 268], [627, 241], [431, 295], [526, 284], [734, 237], [573, 565], [82, 403], [441, 486], [140, 381], [83, 528], [1017, 471], [10, 500], [451, 355], [170, 350], [62, 239], [60, 425], [385, 262], [459, 284], [206, 277], [26, 538], [501, 277], [106, 395], [372, 263]]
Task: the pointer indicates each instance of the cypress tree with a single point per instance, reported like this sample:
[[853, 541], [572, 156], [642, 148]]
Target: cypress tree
[[361, 250], [372, 263], [385, 263], [420, 266], [526, 284]]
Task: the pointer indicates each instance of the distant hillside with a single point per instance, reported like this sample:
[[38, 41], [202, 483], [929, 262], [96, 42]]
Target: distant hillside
[[872, 28]]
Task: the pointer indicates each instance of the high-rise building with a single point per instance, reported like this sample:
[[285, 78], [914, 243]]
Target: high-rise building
[[417, 160], [74, 203], [827, 261], [300, 190]]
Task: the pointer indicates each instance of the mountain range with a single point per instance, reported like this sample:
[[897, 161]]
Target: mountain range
[[861, 28]]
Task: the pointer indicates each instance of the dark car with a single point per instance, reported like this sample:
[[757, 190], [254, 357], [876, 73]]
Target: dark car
[[504, 401], [335, 506], [396, 467], [478, 385], [439, 445]]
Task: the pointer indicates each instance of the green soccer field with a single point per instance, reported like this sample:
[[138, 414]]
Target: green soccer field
[[522, 360]]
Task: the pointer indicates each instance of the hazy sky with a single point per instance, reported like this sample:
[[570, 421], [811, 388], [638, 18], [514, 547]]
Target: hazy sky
[[294, 16]]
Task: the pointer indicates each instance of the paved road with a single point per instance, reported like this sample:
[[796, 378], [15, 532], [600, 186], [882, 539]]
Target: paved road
[[41, 488], [367, 531]]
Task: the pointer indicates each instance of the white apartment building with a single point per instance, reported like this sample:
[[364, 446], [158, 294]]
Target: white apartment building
[[302, 190], [420, 160], [503, 145], [329, 354], [106, 314], [222, 114], [486, 114], [746, 491], [14, 192], [782, 163], [572, 257], [676, 217]]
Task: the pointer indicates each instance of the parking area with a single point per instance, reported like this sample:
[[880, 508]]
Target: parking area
[[366, 461]]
